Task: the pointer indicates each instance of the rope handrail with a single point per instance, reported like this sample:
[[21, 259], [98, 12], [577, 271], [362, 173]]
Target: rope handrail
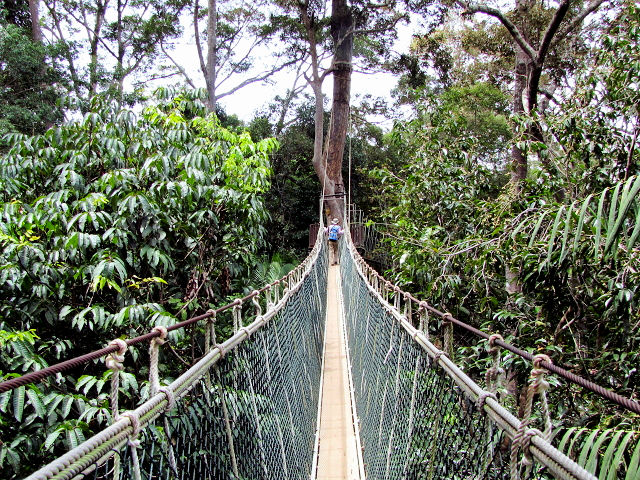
[[227, 367], [40, 375], [614, 397], [464, 427]]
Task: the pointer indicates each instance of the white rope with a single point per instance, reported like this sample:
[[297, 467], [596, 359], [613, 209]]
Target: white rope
[[154, 348], [237, 315], [256, 302], [114, 362], [134, 442]]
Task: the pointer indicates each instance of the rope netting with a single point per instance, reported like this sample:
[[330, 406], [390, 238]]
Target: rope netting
[[247, 409], [420, 416]]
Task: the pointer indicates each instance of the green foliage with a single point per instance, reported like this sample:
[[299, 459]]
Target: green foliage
[[292, 200], [110, 225], [552, 267], [28, 94], [596, 126], [610, 454]]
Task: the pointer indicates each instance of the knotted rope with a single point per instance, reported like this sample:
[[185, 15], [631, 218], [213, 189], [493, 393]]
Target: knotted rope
[[407, 307], [256, 302], [114, 362], [495, 373], [396, 297], [522, 438], [447, 327], [237, 315], [154, 381], [134, 442], [423, 326], [154, 349], [267, 294]]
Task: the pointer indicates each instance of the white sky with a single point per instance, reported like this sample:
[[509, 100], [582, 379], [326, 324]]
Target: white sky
[[246, 102]]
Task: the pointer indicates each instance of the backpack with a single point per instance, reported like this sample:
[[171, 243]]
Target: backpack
[[333, 232]]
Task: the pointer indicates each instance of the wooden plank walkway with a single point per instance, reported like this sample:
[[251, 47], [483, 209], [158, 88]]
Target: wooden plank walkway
[[337, 454]]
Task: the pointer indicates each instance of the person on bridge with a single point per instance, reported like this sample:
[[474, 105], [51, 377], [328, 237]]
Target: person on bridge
[[335, 231]]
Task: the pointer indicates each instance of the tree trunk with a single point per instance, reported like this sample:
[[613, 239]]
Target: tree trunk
[[518, 158], [36, 30], [212, 38], [93, 50], [119, 74], [342, 33]]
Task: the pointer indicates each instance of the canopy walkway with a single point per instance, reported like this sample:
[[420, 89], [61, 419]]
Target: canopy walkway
[[364, 394]]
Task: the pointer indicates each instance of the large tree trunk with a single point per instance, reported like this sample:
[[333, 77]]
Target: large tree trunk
[[101, 9], [36, 30], [212, 59], [342, 33], [518, 158]]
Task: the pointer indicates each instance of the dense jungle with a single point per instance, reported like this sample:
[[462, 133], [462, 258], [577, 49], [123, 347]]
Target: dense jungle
[[504, 183]]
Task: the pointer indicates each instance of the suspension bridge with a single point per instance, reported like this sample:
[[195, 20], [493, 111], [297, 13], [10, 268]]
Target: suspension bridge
[[331, 373]]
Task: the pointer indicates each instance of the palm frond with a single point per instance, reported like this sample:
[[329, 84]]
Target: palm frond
[[598, 230], [609, 454]]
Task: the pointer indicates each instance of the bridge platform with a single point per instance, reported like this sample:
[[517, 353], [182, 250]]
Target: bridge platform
[[338, 444]]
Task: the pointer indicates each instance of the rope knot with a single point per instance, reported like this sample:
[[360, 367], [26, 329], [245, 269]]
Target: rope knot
[[423, 305], [221, 349], [212, 313], [525, 443], [447, 317], [539, 358], [492, 341], [482, 399], [134, 420], [171, 399], [114, 361], [162, 334], [439, 353]]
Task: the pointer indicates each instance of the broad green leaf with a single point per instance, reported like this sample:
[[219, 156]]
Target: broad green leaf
[[587, 445], [619, 453], [598, 223], [633, 470], [52, 437], [554, 231], [628, 197], [568, 222], [537, 227], [36, 403], [18, 402]]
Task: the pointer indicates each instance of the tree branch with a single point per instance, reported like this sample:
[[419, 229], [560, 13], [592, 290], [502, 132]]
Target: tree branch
[[255, 79], [552, 29], [577, 20], [196, 32], [180, 69], [510, 26]]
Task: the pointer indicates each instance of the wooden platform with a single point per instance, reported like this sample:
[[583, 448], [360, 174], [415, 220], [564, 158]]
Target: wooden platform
[[337, 453]]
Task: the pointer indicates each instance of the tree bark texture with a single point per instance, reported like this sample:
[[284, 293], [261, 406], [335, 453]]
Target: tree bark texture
[[212, 58], [34, 12], [101, 9], [342, 33], [521, 74]]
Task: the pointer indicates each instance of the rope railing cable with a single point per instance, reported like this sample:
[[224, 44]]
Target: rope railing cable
[[616, 398], [39, 375], [282, 345]]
